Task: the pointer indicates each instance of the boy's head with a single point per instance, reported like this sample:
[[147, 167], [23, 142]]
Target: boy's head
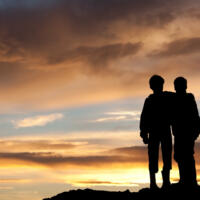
[[156, 83], [180, 84]]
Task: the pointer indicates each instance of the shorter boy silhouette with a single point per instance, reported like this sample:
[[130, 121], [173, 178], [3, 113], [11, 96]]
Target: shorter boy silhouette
[[155, 130], [185, 126]]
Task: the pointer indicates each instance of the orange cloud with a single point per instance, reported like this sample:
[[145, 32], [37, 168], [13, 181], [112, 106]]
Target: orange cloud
[[129, 157], [38, 145], [56, 160]]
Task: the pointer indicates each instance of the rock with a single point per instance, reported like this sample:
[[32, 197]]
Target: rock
[[175, 191]]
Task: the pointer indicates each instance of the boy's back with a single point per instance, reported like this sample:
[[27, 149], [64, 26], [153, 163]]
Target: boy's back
[[156, 114], [185, 115]]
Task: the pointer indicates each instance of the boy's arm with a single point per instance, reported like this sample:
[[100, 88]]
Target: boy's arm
[[196, 117], [170, 103], [144, 122]]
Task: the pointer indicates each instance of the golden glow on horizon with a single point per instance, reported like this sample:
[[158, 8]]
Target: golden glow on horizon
[[128, 176], [79, 165], [76, 161]]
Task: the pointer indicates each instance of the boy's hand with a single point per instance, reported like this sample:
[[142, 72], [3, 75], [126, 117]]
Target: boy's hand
[[144, 136], [145, 140]]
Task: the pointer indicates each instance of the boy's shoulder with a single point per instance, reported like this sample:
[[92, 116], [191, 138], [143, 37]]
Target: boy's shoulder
[[168, 93], [190, 95], [150, 97], [165, 93], [186, 95]]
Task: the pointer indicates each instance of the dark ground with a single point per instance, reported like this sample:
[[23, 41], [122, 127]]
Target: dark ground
[[174, 192]]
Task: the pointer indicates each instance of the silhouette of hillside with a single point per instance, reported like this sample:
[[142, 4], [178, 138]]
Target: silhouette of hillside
[[174, 192]]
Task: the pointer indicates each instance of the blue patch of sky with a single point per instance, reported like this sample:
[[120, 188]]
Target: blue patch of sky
[[79, 119]]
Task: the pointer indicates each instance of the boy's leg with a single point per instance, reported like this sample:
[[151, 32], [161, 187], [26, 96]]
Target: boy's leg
[[178, 157], [166, 146], [192, 165], [181, 172], [153, 153], [185, 160], [190, 169], [166, 178], [153, 184]]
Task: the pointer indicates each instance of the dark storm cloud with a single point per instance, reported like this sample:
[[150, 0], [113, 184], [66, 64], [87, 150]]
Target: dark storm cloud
[[143, 12], [11, 50], [65, 25], [184, 46], [48, 47], [97, 55]]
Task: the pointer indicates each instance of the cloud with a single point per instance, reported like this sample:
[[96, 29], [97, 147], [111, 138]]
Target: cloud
[[79, 52], [128, 157], [40, 120], [68, 23], [38, 145], [14, 180], [110, 119], [76, 143], [184, 46], [130, 151], [131, 113], [97, 55], [56, 160], [105, 183], [120, 115]]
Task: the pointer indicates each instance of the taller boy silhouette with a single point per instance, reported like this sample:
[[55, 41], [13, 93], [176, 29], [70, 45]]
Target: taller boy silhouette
[[185, 126]]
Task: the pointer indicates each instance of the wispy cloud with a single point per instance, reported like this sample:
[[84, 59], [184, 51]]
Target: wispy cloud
[[110, 119], [120, 115], [40, 120], [132, 113]]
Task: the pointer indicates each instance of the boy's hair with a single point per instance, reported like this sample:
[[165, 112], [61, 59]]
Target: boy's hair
[[180, 81], [155, 81]]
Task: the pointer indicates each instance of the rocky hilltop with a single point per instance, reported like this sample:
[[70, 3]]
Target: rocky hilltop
[[175, 191]]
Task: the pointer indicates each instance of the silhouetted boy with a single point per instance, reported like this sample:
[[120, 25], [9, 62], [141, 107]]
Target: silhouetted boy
[[185, 128], [155, 129]]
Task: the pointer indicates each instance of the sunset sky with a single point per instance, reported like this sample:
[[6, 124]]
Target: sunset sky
[[73, 79]]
